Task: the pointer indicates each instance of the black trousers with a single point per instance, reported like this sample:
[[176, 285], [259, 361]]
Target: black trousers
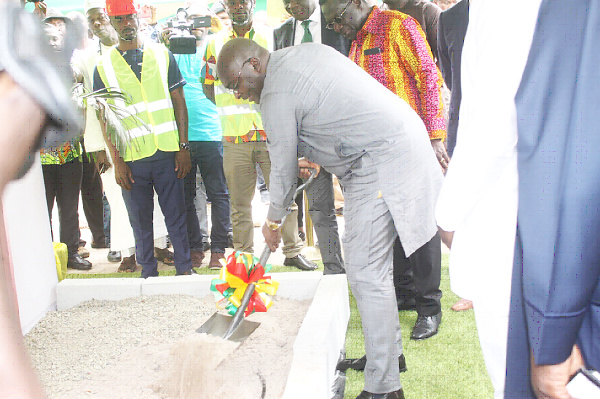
[[418, 276], [91, 197], [63, 183]]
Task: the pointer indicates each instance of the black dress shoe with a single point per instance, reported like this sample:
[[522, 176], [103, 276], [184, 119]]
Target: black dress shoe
[[99, 244], [426, 326], [399, 394], [407, 304], [75, 261], [114, 256], [300, 262], [359, 364]]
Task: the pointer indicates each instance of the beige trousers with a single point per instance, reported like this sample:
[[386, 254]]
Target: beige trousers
[[239, 163]]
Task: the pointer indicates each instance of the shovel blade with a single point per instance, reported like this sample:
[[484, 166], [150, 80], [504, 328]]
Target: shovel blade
[[217, 324]]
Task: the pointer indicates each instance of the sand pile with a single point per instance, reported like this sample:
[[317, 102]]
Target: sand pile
[[146, 347]]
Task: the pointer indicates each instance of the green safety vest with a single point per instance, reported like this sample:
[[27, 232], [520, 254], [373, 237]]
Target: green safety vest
[[151, 100], [238, 116]]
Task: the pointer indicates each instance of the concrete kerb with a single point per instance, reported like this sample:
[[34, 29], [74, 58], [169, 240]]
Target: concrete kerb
[[319, 341]]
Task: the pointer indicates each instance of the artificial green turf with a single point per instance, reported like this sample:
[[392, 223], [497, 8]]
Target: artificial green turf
[[448, 365]]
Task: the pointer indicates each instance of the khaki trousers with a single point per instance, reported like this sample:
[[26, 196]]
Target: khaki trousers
[[239, 163]]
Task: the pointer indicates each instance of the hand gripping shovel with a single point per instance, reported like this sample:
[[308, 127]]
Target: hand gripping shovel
[[236, 328]]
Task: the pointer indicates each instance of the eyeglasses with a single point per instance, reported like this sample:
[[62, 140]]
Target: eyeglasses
[[235, 89], [338, 20]]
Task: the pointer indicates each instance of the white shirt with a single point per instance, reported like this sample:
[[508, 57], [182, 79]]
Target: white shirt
[[479, 196], [314, 26]]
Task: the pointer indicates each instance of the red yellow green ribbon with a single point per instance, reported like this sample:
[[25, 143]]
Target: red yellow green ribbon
[[239, 270]]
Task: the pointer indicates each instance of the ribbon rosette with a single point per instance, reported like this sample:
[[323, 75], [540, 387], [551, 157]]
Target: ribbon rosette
[[241, 269]]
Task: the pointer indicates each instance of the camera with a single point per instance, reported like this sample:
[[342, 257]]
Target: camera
[[182, 41]]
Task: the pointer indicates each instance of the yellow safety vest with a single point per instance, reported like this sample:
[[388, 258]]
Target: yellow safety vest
[[151, 100], [238, 116]]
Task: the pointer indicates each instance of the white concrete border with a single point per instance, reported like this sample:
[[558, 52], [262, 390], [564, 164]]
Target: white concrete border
[[319, 341]]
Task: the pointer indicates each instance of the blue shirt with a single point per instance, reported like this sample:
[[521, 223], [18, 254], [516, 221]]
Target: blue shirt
[[204, 123]]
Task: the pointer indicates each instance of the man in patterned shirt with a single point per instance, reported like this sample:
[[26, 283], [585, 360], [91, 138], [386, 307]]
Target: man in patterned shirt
[[392, 48]]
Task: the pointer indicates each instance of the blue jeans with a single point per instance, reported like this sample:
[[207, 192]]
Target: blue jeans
[[208, 156], [157, 175]]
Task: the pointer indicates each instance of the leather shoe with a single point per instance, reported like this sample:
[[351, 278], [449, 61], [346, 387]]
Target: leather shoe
[[399, 394], [98, 244], [197, 258], [75, 261], [114, 256], [426, 326], [215, 260], [407, 304], [359, 364], [128, 265], [300, 262], [84, 253]]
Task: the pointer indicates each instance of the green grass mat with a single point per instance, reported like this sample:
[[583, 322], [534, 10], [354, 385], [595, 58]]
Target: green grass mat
[[448, 365]]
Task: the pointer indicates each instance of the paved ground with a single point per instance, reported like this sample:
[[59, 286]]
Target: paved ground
[[102, 265]]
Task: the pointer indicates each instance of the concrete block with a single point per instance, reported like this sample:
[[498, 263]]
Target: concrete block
[[319, 341], [195, 285], [297, 286], [72, 292]]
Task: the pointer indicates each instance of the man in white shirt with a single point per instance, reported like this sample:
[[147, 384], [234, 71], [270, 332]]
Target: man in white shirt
[[478, 200]]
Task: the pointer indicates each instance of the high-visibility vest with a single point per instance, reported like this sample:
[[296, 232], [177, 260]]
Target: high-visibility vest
[[238, 116], [151, 100]]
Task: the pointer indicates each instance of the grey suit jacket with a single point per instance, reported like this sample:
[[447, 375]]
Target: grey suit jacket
[[452, 28], [284, 36], [335, 114]]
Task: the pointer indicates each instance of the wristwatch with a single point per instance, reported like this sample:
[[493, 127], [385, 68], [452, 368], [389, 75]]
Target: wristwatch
[[184, 146], [272, 225]]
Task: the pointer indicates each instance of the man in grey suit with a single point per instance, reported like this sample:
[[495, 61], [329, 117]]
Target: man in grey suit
[[318, 104], [308, 25]]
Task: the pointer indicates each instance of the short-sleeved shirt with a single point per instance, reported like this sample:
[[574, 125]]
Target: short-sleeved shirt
[[209, 77], [204, 123], [134, 60]]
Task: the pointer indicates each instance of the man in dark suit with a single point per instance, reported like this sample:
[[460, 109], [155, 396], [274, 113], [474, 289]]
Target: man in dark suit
[[452, 28], [308, 25], [555, 299]]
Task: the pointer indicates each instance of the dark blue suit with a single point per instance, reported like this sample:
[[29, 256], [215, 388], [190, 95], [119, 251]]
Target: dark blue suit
[[556, 290], [452, 28]]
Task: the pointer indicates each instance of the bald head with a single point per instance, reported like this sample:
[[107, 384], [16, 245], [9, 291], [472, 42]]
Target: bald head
[[242, 66]]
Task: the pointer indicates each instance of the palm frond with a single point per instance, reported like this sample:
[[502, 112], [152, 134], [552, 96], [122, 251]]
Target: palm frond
[[119, 121]]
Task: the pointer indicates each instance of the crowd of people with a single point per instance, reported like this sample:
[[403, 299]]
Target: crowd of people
[[355, 89]]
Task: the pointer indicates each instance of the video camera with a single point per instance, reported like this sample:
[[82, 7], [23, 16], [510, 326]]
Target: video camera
[[182, 41]]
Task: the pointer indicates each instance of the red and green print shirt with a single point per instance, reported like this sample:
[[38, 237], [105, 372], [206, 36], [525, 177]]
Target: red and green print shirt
[[392, 48]]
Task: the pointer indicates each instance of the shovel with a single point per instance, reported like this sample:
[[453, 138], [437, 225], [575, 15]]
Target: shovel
[[236, 328]]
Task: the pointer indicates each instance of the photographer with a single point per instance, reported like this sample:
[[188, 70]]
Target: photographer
[[204, 132]]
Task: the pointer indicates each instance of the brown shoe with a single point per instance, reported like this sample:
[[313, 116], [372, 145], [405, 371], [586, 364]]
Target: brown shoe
[[128, 265], [214, 263], [84, 253], [165, 256], [197, 258]]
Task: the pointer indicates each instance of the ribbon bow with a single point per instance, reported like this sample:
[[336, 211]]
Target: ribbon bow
[[240, 270]]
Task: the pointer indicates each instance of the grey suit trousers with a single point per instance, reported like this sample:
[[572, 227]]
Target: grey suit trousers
[[368, 246], [322, 212]]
